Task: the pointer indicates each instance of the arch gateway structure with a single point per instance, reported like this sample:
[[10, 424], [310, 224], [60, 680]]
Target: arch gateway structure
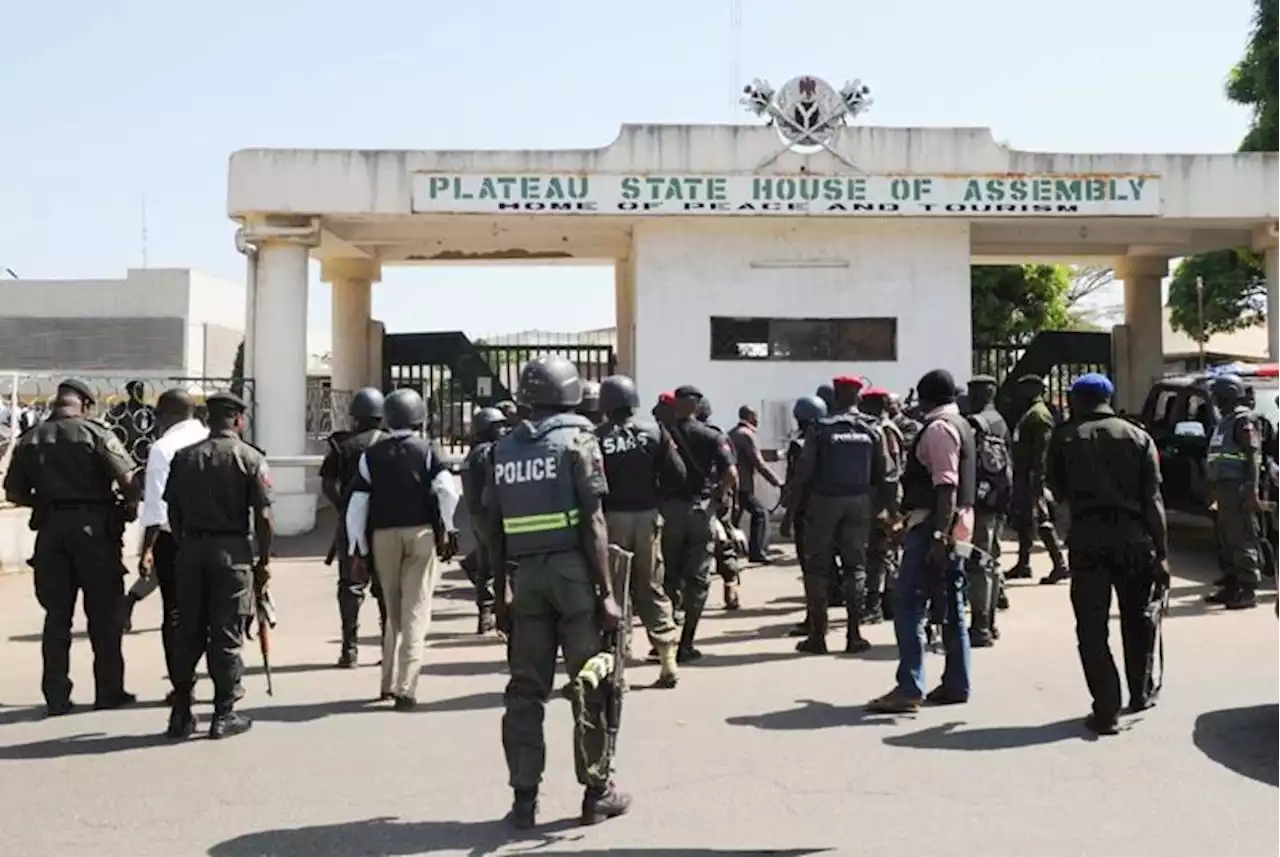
[[755, 260]]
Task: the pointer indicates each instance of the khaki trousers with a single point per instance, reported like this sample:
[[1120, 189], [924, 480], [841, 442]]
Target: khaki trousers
[[405, 561], [641, 533]]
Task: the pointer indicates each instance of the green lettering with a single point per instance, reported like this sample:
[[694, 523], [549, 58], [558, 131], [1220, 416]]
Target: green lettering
[[1067, 190], [692, 185], [674, 191], [1136, 186], [1095, 190], [508, 186], [1042, 190], [655, 187], [858, 190], [716, 191], [808, 188], [995, 190], [487, 188], [761, 189], [530, 187], [1018, 190], [973, 190], [630, 187], [786, 189], [554, 190], [578, 187]]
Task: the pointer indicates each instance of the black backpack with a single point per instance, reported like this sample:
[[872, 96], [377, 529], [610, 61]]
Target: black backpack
[[993, 467]]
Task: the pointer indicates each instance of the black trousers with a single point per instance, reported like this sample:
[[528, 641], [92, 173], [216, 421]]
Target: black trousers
[[478, 566], [1130, 569], [758, 532], [215, 600], [75, 553], [836, 526], [165, 554], [351, 595]]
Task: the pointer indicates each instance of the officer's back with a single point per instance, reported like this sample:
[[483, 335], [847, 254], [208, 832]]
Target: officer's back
[[633, 452], [214, 481], [705, 450], [846, 447]]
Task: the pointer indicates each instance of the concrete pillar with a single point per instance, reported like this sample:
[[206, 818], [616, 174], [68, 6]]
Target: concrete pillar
[[624, 297], [279, 346], [352, 281], [1264, 241], [1144, 323]]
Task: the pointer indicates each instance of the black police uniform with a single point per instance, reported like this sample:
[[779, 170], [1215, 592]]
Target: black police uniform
[[986, 581], [340, 469], [214, 487], [687, 540], [1106, 469], [728, 562], [882, 565], [65, 469], [844, 469], [477, 470], [1233, 469]]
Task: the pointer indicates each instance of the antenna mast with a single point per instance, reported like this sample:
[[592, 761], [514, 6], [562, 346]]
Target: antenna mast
[[735, 55]]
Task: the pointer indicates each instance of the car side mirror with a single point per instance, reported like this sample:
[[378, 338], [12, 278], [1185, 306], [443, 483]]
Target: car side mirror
[[1189, 428]]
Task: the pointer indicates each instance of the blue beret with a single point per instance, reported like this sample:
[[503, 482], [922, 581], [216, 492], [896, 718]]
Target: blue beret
[[1094, 382]]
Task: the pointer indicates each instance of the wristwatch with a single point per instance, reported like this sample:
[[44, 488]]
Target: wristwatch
[[939, 536]]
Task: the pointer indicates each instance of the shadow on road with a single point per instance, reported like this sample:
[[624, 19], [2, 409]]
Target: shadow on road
[[1243, 740], [28, 714], [945, 737], [813, 714], [88, 744], [387, 837], [306, 712]]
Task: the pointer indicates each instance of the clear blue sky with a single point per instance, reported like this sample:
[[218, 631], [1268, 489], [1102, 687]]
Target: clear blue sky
[[103, 101]]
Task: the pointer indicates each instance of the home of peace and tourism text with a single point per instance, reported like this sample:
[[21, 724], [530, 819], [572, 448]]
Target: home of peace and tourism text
[[914, 195]]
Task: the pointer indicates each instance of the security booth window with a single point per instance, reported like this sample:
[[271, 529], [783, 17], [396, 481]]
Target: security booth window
[[867, 340]]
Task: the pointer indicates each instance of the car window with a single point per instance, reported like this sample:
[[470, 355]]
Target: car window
[[1267, 403], [1199, 409], [1162, 411]]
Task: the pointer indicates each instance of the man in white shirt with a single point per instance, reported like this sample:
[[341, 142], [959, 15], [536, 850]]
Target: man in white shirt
[[177, 429]]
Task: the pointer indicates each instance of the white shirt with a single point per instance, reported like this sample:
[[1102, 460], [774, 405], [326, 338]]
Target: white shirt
[[358, 506], [155, 511]]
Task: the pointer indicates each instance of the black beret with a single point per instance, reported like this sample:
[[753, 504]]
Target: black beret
[[688, 391], [226, 403]]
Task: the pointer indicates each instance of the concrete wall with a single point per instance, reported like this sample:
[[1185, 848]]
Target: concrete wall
[[916, 271]]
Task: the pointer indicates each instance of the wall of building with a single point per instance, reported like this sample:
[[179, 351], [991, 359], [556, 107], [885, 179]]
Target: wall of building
[[916, 271]]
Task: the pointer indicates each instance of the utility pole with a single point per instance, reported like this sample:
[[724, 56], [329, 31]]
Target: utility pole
[[1200, 337]]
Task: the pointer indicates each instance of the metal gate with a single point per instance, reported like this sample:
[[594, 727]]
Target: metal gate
[[1057, 356], [455, 375]]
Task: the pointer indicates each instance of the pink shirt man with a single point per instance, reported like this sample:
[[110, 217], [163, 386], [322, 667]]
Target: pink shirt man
[[939, 452]]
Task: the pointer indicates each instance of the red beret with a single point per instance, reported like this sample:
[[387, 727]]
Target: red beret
[[667, 398], [873, 392], [848, 381]]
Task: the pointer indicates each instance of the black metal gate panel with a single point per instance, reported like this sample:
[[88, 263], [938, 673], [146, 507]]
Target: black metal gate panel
[[1057, 356], [456, 376]]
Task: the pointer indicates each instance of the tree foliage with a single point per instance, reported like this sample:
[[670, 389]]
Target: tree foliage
[[1234, 296], [1012, 303], [237, 371]]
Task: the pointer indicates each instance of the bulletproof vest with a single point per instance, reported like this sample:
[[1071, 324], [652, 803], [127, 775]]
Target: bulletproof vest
[[475, 474], [349, 450], [533, 474], [630, 454], [400, 474], [68, 467], [846, 449], [1227, 460], [1101, 456], [917, 481]]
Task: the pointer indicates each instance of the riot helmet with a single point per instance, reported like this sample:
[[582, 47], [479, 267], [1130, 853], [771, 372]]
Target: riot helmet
[[487, 422], [809, 408], [618, 392], [550, 381], [702, 412], [404, 409], [590, 406], [1227, 391], [366, 405]]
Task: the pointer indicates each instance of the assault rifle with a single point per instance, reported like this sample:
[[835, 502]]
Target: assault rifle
[[265, 609], [607, 670], [940, 599]]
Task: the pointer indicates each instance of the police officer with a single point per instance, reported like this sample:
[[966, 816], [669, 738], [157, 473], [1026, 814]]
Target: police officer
[[1233, 469], [843, 468], [590, 407], [547, 520], [1105, 468], [728, 557], [214, 487], [488, 425], [881, 562], [907, 424], [337, 473], [401, 513], [836, 580], [64, 470], [687, 537], [639, 459], [986, 583], [806, 411], [1029, 511]]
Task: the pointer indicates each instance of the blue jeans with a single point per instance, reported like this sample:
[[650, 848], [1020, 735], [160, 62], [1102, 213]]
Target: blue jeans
[[910, 616]]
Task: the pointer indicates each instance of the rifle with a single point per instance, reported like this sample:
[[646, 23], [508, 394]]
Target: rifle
[[607, 670], [940, 600], [266, 614]]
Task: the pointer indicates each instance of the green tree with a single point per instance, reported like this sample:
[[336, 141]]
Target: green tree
[[1012, 303], [1233, 295], [237, 371]]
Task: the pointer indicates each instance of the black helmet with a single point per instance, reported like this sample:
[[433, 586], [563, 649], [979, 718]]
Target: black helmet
[[366, 404], [487, 418], [550, 381], [1228, 388], [508, 409], [809, 408], [590, 397], [618, 391], [827, 394], [404, 409], [703, 410]]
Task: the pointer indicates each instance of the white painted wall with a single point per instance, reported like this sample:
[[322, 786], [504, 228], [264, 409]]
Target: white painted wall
[[153, 293], [917, 271]]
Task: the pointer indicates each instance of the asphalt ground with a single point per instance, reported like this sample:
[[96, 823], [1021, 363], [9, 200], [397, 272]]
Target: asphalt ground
[[759, 750]]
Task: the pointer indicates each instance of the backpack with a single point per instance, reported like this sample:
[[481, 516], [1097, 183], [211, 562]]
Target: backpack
[[993, 467]]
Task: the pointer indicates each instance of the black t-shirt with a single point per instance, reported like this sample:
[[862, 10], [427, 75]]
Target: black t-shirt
[[707, 454]]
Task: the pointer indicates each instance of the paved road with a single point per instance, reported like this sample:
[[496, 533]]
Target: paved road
[[758, 751]]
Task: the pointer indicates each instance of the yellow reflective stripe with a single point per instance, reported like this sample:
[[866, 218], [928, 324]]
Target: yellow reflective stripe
[[1230, 456], [541, 523]]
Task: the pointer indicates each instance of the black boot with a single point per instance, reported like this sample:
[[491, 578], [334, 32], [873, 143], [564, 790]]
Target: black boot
[[524, 809], [1051, 546], [228, 725], [349, 614], [485, 622], [130, 602], [602, 804], [855, 605], [182, 723], [1223, 594], [686, 652], [816, 642], [1242, 598]]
